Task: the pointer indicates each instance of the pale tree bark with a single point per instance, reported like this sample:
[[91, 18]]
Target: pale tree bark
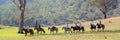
[[21, 5]]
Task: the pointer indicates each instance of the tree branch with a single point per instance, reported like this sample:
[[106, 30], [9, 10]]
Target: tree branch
[[13, 1]]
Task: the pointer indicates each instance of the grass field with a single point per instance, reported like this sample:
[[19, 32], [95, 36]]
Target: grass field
[[112, 32]]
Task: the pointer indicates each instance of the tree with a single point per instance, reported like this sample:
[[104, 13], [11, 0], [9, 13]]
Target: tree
[[105, 5], [21, 5], [0, 18]]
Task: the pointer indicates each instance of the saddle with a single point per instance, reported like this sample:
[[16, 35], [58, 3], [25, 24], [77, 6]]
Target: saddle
[[92, 25], [53, 27]]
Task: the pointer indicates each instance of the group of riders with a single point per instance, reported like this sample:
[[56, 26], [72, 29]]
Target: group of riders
[[67, 25]]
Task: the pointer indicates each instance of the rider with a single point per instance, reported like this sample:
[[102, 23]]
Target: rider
[[39, 26], [80, 24], [67, 26], [76, 25], [100, 22], [26, 27], [92, 24], [53, 27]]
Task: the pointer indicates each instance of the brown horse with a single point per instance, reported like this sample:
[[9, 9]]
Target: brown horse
[[26, 31], [101, 26], [39, 30], [53, 29], [77, 28]]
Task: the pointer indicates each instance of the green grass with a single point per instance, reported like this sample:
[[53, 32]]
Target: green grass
[[10, 33], [112, 32]]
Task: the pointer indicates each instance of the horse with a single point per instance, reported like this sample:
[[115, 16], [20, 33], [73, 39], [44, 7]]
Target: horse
[[40, 30], [82, 28], [101, 26], [66, 29], [53, 29], [26, 31], [77, 28], [93, 27]]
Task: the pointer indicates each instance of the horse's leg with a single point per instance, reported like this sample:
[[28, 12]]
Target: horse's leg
[[78, 30], [103, 28], [32, 33], [40, 32], [43, 31], [65, 32], [74, 31], [98, 29], [82, 30], [71, 31], [50, 32], [37, 32], [25, 34], [53, 32], [91, 29], [56, 31]]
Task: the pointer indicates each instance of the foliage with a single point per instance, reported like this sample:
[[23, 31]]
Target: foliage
[[52, 11], [105, 5]]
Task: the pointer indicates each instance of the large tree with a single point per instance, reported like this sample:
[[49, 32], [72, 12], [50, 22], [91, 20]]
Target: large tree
[[0, 18], [105, 5], [21, 5]]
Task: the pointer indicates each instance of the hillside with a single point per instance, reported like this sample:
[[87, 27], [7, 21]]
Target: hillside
[[115, 21], [49, 12]]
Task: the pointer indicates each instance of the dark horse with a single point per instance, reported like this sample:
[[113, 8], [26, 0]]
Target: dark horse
[[26, 31], [39, 30], [78, 28], [66, 29], [53, 29], [93, 27], [101, 26]]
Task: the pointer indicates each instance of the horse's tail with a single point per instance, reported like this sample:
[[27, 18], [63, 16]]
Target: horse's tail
[[83, 29], [103, 27], [43, 31], [32, 32], [56, 29]]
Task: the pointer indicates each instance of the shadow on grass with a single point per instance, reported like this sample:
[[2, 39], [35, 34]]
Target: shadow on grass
[[49, 34], [86, 32], [1, 28]]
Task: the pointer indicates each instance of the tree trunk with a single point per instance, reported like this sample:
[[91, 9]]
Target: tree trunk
[[0, 18], [22, 9], [105, 16], [21, 22]]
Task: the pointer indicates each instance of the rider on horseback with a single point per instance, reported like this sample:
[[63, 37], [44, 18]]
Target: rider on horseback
[[92, 24], [53, 27], [80, 25], [67, 26], [76, 25], [39, 26], [27, 27], [100, 22]]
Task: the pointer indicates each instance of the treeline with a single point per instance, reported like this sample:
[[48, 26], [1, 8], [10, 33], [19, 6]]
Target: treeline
[[49, 12]]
